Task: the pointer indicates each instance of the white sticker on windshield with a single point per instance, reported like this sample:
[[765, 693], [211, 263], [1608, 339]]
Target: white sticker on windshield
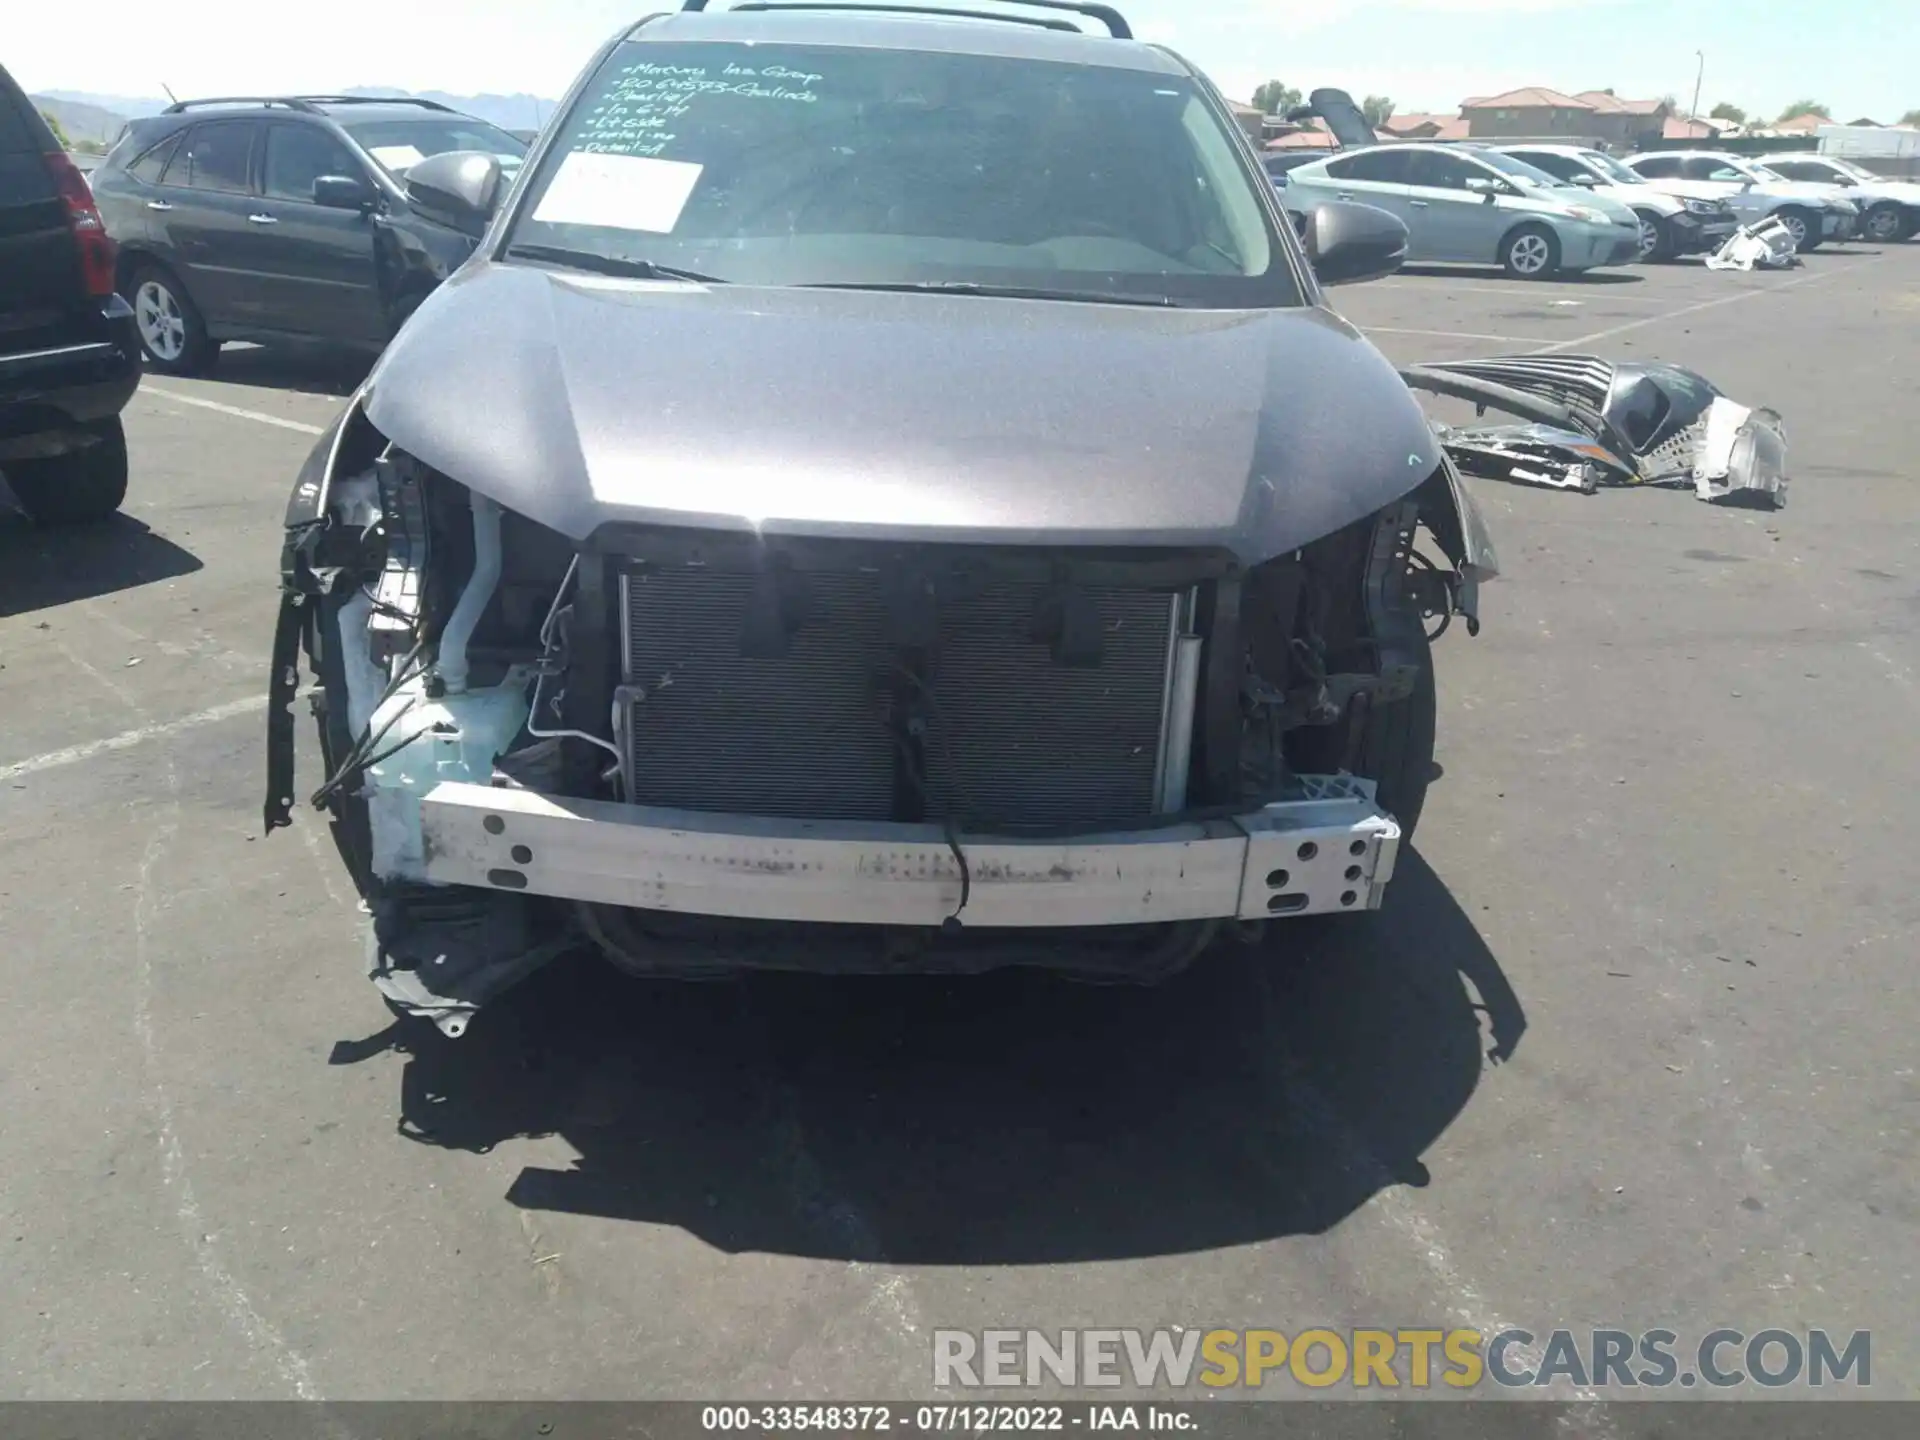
[[396, 157], [621, 192]]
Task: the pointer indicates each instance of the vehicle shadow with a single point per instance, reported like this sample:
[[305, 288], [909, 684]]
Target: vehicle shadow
[[1494, 272], [43, 568], [998, 1120], [306, 368]]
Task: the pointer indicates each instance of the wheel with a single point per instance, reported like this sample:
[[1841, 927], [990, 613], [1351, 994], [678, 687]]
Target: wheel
[[1531, 252], [1803, 226], [76, 488], [1884, 222], [1396, 746], [1390, 743], [172, 333], [1656, 236]]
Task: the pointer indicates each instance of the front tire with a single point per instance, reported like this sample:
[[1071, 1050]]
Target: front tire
[[1656, 237], [173, 334], [1531, 252], [1396, 743], [1884, 223], [78, 488], [1805, 227]]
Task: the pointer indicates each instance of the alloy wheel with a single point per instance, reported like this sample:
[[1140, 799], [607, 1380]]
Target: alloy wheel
[[1649, 237], [162, 326], [1884, 225], [1529, 254]]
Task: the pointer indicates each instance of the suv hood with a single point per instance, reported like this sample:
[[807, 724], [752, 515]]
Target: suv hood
[[581, 402]]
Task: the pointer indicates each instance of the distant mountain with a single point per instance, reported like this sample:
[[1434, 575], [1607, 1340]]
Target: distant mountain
[[510, 112], [129, 105], [82, 120]]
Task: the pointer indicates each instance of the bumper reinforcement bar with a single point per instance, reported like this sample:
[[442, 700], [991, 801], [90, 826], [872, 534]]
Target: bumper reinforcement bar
[[1330, 851]]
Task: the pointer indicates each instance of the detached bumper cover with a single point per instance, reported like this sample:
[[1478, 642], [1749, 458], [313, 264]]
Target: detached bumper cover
[[1592, 423], [1330, 851]]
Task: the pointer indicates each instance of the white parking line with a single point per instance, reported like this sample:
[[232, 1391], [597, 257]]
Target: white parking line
[[1589, 294], [1695, 309], [1452, 335], [127, 739], [234, 410]]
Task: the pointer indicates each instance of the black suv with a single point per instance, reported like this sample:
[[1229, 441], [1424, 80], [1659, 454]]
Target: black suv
[[282, 218], [68, 358]]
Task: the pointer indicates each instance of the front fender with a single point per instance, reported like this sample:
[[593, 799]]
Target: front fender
[[1454, 518]]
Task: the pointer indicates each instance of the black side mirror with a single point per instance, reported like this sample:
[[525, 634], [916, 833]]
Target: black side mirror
[[1349, 242], [342, 192], [460, 187]]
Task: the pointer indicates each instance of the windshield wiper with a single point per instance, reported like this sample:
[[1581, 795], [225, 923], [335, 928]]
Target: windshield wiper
[[1009, 292], [627, 266]]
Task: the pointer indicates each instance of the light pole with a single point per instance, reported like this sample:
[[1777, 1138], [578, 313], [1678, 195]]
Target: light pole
[[1698, 75]]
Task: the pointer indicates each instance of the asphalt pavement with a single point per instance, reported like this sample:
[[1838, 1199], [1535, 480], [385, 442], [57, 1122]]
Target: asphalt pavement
[[1632, 1044]]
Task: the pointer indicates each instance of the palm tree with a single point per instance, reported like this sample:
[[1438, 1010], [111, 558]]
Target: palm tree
[[1276, 97]]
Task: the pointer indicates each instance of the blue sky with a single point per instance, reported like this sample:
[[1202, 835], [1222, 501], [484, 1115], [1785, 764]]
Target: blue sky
[[1856, 56]]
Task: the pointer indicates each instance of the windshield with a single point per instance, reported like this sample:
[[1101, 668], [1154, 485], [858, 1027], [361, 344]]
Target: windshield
[[398, 145], [821, 165], [1847, 167], [1523, 172], [1612, 168]]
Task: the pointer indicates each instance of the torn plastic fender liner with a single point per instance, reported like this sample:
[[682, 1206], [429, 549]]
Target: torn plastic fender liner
[[306, 573], [1461, 530]]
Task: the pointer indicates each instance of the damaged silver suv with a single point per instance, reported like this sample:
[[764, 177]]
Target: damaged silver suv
[[887, 494]]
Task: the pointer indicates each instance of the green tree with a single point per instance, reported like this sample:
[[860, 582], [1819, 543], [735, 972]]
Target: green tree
[[1729, 112], [58, 133], [1804, 107], [1378, 109], [1276, 97], [1912, 117]]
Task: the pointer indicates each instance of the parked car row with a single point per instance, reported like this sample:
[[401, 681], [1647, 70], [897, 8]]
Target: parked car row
[[1540, 209], [1813, 214]]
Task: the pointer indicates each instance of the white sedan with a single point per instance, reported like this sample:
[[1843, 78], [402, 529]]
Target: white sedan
[[1890, 209]]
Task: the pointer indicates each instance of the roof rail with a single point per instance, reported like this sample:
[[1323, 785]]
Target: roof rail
[[1107, 15], [871, 7], [291, 103], [378, 100], [308, 104]]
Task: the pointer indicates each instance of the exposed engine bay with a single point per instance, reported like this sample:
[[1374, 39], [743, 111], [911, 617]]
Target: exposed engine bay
[[704, 752], [1590, 423]]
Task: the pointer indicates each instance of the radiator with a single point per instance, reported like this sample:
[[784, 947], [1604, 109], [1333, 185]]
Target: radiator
[[1007, 735]]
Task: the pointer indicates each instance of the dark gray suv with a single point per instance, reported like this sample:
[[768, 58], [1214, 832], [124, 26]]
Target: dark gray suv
[[282, 218], [887, 493]]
